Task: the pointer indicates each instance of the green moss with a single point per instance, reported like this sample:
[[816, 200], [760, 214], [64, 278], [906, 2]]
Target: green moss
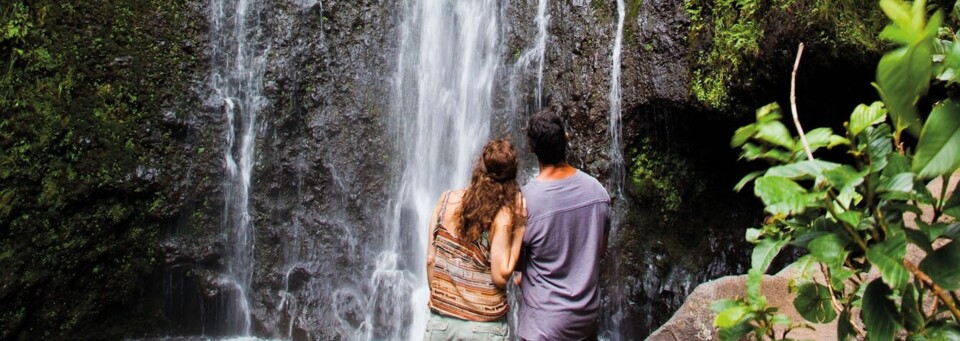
[[79, 82], [729, 36], [662, 178]]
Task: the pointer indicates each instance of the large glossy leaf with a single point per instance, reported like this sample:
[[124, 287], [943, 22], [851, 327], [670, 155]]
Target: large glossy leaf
[[807, 169], [817, 138], [943, 266], [898, 187], [864, 116], [938, 151], [829, 249], [888, 258], [813, 303], [902, 76], [765, 252], [775, 133], [879, 313], [896, 164], [780, 195], [742, 135]]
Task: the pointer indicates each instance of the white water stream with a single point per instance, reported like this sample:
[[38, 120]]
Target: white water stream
[[236, 84]]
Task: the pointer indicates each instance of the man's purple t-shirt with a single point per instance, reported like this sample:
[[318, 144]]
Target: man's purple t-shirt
[[567, 225]]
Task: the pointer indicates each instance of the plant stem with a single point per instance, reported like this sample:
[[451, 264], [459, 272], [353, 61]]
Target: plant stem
[[833, 300], [793, 104], [937, 290]]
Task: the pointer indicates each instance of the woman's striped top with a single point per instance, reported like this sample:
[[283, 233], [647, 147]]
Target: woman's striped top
[[462, 285]]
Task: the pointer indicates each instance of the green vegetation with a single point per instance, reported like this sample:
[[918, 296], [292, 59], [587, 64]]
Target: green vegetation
[[853, 218], [662, 178], [728, 37], [82, 86]]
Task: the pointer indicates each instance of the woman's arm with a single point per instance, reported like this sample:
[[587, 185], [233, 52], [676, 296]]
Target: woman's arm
[[504, 247]]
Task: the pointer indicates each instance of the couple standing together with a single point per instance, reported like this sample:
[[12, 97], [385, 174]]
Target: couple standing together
[[554, 234]]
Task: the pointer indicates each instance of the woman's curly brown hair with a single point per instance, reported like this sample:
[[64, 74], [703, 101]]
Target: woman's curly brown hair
[[493, 186]]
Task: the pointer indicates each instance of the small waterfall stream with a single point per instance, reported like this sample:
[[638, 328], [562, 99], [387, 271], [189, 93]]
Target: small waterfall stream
[[613, 318], [236, 83]]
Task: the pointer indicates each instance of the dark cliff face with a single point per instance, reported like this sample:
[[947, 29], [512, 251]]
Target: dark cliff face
[[327, 163]]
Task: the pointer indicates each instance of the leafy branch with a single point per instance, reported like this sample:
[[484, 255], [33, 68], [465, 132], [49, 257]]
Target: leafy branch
[[849, 216]]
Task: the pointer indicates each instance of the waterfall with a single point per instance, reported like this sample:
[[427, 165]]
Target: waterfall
[[448, 59], [614, 316], [536, 53], [236, 83]]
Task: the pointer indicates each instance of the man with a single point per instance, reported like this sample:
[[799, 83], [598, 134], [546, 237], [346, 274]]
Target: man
[[568, 219]]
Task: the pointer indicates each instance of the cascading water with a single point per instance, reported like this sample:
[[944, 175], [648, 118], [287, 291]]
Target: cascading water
[[614, 315], [536, 53], [447, 62], [236, 85]]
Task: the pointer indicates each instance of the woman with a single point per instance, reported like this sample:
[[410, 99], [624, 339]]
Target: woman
[[474, 245]]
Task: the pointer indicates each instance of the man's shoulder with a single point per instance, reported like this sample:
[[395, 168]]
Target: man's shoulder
[[593, 186]]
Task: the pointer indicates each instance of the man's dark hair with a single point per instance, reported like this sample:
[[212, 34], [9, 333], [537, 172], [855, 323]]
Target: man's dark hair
[[547, 137]]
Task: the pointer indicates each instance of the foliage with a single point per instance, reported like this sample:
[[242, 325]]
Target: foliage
[[78, 225], [662, 177], [855, 217], [734, 33]]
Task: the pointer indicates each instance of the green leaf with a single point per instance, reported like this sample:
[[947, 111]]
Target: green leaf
[[753, 235], [888, 258], [735, 333], [919, 239], [879, 313], [864, 116], [743, 134], [813, 303], [754, 297], [902, 76], [828, 249], [896, 164], [952, 231], [781, 196], [844, 326], [952, 206], [746, 179], [932, 231], [938, 150], [851, 218], [943, 266], [730, 317], [765, 252], [807, 169], [900, 183], [879, 146], [912, 316], [943, 332], [775, 133], [768, 113], [817, 138], [724, 304], [897, 11], [781, 320]]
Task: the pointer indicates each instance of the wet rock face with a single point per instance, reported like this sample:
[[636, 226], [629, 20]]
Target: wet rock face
[[327, 163]]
